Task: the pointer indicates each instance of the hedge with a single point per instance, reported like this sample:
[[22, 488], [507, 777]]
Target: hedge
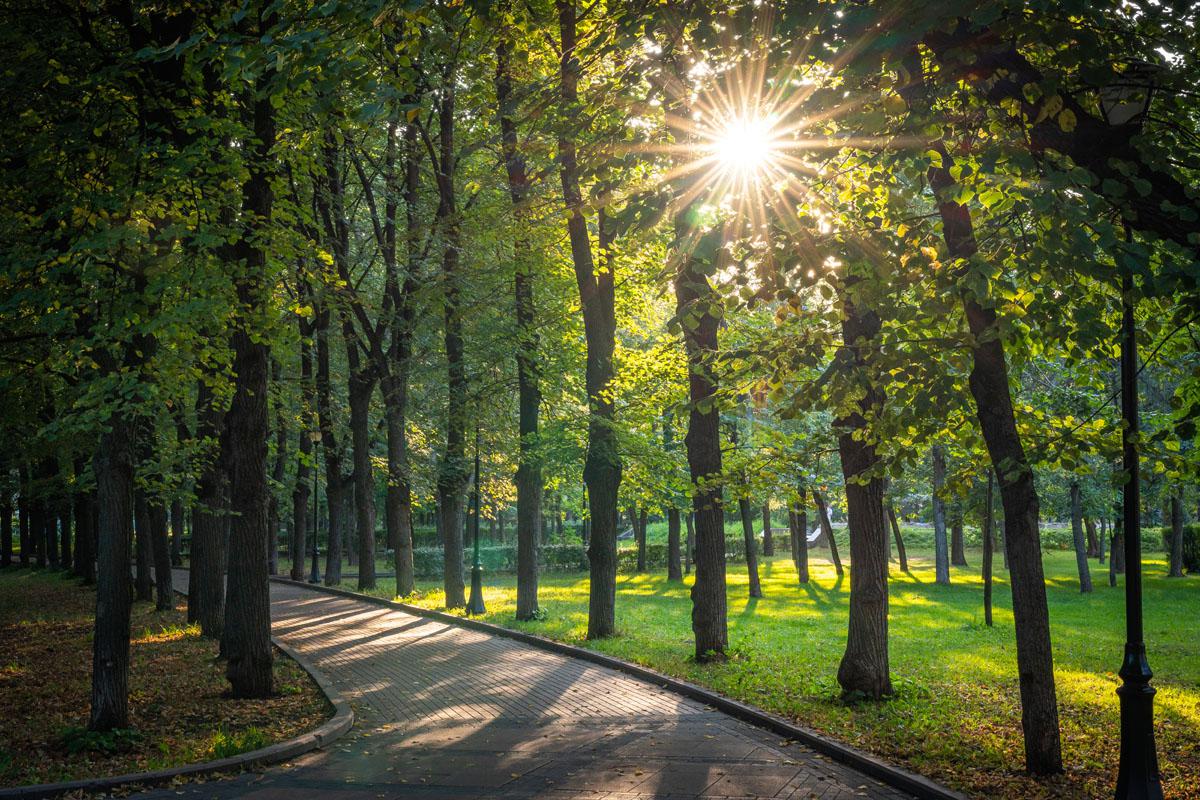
[[428, 561]]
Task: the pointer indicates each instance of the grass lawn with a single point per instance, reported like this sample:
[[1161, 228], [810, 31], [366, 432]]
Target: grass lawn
[[177, 709], [955, 716]]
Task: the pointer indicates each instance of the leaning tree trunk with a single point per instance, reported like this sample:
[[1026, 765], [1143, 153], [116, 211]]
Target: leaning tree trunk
[[989, 385], [941, 549], [751, 545], [901, 552], [1176, 559], [113, 468], [1081, 557], [827, 529], [864, 670], [247, 636]]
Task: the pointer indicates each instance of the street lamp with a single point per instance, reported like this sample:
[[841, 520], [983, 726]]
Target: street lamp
[[1126, 103], [475, 604]]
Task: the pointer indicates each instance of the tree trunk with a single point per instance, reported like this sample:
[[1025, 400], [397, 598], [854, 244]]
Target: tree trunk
[[827, 529], [1093, 542], [177, 532], [398, 499], [64, 527], [638, 519], [864, 670], [113, 468], [206, 565], [988, 547], [164, 593], [278, 473], [143, 549], [23, 521], [674, 567], [901, 552], [1176, 555], [941, 551], [958, 554], [689, 520], [335, 486], [362, 385], [751, 544], [802, 545], [990, 389], [247, 635], [1102, 544], [699, 309], [768, 541], [6, 529], [85, 532], [452, 472], [1081, 558], [602, 467], [299, 545]]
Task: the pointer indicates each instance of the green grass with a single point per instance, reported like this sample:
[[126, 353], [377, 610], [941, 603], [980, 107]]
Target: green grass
[[955, 715]]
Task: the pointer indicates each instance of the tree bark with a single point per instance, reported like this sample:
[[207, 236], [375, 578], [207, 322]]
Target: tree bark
[[827, 529], [335, 484], [1093, 543], [801, 554], [864, 670], [638, 521], [177, 532], [689, 521], [64, 527], [988, 547], [674, 567], [247, 635], [206, 566], [901, 552], [751, 544], [1176, 555], [958, 554], [113, 468], [299, 545], [989, 385], [278, 473], [362, 386], [164, 593], [6, 529], [143, 582], [941, 549], [23, 513], [1081, 558], [768, 541]]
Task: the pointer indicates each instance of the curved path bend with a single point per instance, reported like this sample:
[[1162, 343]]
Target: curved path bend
[[446, 712]]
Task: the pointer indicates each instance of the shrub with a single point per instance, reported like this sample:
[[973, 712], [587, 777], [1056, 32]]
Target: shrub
[[118, 740], [427, 561]]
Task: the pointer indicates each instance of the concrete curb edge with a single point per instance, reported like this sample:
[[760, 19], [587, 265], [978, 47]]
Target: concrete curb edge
[[864, 762]]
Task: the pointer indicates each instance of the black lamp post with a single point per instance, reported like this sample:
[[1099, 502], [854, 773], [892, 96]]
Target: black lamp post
[[475, 604], [1126, 103]]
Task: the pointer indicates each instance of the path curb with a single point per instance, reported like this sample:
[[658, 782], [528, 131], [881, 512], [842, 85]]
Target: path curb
[[325, 734], [866, 763]]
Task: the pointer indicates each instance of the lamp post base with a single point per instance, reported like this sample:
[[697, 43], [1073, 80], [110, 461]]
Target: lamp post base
[[475, 606], [1137, 775]]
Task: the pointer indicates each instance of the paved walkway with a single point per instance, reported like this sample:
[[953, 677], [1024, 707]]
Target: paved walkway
[[445, 712]]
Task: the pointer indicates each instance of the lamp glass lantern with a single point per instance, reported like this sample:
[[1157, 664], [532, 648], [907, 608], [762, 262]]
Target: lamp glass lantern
[[1126, 101]]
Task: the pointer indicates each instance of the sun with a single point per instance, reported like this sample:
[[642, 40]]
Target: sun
[[745, 147]]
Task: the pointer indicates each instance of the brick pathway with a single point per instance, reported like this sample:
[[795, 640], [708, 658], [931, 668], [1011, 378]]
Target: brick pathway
[[444, 712]]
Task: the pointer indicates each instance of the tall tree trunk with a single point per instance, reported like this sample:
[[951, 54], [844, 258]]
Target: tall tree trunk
[[674, 565], [699, 309], [1081, 558], [958, 553], [1102, 544], [6, 529], [768, 541], [988, 547], [247, 634], [206, 566], [827, 528], [113, 468], [690, 521], [278, 473], [801, 543], [335, 484], [362, 386], [990, 389], [23, 513], [64, 527], [940, 545], [85, 531], [1176, 556], [901, 552], [602, 466], [164, 592], [751, 544], [638, 519], [453, 471], [864, 670], [143, 549], [177, 532], [1093, 543], [304, 461]]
